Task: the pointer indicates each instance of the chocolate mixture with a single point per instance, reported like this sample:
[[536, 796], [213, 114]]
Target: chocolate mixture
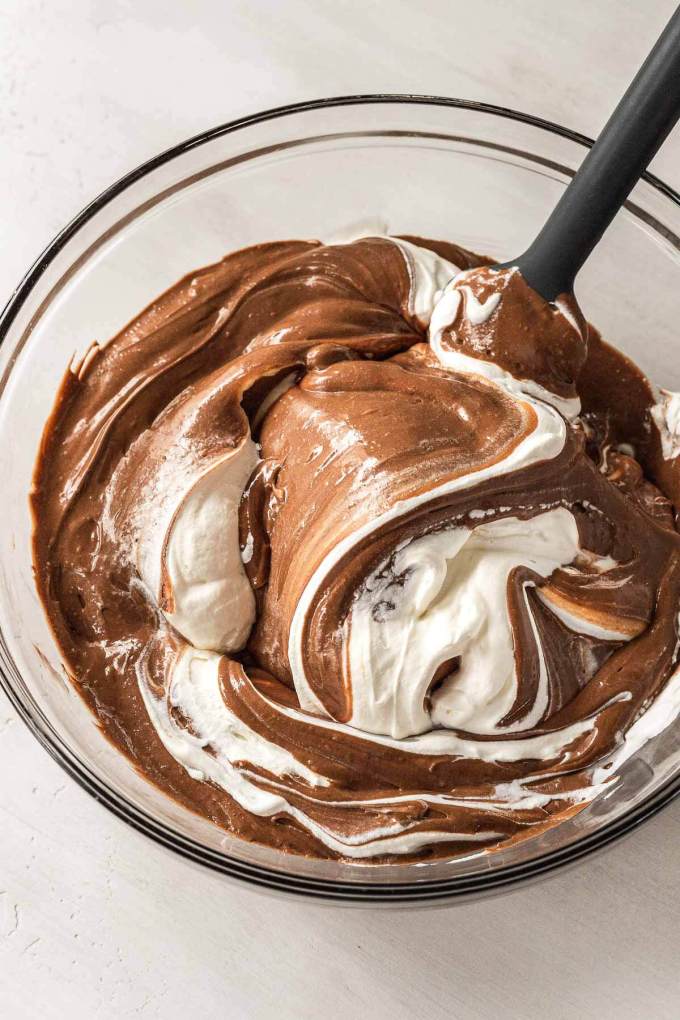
[[369, 441]]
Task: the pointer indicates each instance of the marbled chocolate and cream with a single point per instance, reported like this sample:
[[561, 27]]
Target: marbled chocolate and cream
[[364, 551]]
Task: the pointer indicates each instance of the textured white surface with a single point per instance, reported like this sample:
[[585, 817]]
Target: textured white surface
[[96, 922]]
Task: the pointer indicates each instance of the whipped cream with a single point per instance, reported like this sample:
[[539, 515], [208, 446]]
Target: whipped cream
[[429, 274], [666, 416], [444, 596], [188, 551]]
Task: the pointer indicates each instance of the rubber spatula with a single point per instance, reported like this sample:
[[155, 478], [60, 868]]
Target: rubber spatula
[[624, 149]]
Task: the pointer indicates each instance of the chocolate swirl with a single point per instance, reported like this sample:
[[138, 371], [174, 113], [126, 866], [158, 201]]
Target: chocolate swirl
[[334, 558]]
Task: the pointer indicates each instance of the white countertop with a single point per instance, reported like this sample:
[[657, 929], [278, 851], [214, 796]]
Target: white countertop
[[94, 920]]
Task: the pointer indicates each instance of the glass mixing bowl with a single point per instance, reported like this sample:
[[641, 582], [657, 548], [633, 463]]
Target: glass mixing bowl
[[479, 175]]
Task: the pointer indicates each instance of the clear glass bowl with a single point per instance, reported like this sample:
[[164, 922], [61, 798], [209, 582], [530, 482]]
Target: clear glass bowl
[[479, 175]]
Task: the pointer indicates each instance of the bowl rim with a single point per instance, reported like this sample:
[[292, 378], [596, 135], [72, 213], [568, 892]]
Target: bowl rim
[[422, 891]]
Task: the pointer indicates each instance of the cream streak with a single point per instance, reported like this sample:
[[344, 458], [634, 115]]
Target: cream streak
[[666, 416], [219, 739], [188, 549]]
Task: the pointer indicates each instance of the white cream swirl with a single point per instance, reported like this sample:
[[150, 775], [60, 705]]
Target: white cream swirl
[[187, 547], [666, 416], [444, 596]]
